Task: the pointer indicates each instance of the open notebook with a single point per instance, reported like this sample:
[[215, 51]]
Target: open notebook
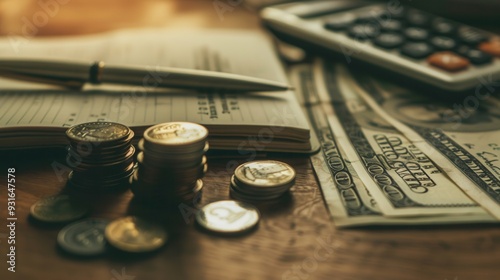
[[36, 115]]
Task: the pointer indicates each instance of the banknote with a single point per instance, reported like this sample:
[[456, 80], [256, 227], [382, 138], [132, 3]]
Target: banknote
[[461, 135], [348, 200], [401, 177]]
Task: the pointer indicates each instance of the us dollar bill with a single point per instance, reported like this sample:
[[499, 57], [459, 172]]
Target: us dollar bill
[[461, 135], [401, 177], [347, 198]]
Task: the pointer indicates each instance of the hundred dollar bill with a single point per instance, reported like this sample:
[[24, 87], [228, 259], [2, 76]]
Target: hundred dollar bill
[[402, 179], [348, 200], [462, 136]]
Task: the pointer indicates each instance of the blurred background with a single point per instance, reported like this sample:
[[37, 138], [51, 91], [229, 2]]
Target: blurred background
[[63, 17]]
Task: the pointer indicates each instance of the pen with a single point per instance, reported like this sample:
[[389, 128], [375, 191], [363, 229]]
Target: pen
[[75, 74]]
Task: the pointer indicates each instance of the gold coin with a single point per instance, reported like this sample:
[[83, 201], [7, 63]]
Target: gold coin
[[133, 234], [176, 133], [57, 209], [265, 173], [228, 216]]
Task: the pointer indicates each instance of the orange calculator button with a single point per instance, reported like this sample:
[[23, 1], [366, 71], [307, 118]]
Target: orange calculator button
[[492, 47], [448, 61]]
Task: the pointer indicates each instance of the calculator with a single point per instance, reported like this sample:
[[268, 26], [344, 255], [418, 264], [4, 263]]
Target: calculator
[[432, 50]]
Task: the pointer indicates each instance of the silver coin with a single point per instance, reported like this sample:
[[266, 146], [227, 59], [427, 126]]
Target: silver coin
[[98, 132], [235, 194], [84, 149], [253, 190], [238, 195], [255, 194], [228, 216], [176, 133], [265, 173], [84, 238]]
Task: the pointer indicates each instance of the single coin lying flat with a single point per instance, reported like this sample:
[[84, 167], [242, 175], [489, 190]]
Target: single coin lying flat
[[228, 216]]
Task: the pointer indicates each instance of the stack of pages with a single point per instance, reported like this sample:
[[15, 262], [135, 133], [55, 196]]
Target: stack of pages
[[36, 115]]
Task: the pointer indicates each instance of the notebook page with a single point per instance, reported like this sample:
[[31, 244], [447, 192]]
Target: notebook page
[[241, 52]]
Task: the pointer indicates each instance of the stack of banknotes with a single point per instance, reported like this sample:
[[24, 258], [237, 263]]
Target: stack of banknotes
[[392, 155]]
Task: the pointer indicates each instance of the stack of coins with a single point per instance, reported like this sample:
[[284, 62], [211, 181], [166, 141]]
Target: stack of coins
[[171, 163], [101, 155], [261, 180]]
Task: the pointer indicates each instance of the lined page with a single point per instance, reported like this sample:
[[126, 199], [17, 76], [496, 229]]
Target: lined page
[[241, 52]]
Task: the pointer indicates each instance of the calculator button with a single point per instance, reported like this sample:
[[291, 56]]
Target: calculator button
[[475, 56], [363, 31], [448, 61], [492, 47], [417, 18], [417, 50], [443, 43], [416, 34], [443, 27], [471, 36], [340, 22], [389, 40], [392, 25]]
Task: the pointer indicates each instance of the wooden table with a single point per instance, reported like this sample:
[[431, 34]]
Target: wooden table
[[295, 239]]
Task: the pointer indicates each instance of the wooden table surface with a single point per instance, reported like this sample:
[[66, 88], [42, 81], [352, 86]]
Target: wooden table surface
[[295, 239]]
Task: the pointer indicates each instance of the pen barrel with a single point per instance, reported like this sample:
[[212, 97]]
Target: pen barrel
[[71, 73], [186, 78], [53, 70]]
